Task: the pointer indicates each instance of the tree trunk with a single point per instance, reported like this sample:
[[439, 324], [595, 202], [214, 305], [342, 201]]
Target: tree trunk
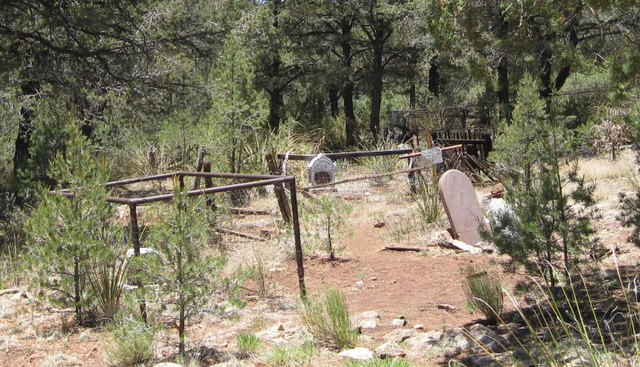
[[349, 115], [434, 78], [376, 89], [334, 99], [347, 83], [23, 140], [77, 289], [276, 103], [545, 74]]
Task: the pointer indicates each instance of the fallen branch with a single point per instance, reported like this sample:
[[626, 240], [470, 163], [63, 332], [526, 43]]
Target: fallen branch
[[239, 234], [250, 211], [397, 248]]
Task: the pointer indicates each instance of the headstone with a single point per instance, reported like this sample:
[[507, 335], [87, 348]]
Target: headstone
[[321, 170], [462, 207], [432, 156]]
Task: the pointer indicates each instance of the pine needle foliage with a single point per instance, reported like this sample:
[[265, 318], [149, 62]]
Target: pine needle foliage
[[186, 275], [550, 226], [67, 237]]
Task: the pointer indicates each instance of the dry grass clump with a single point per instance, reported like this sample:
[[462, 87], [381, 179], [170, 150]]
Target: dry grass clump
[[602, 167]]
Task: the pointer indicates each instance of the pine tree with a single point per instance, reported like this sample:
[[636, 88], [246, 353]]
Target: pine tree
[[67, 236], [550, 226], [186, 275]]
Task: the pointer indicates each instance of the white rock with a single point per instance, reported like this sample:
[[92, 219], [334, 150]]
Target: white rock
[[368, 324], [143, 251], [359, 353], [398, 322]]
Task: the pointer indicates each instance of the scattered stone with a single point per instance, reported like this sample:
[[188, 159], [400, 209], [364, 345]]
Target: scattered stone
[[358, 353], [459, 245], [438, 238], [378, 224], [85, 336], [390, 349], [367, 320], [398, 322], [399, 335], [444, 306], [9, 291], [489, 339], [61, 360], [424, 340], [359, 283], [368, 324], [418, 327], [481, 360], [461, 205]]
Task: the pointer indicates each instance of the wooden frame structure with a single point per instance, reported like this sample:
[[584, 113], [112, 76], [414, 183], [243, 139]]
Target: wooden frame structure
[[251, 181]]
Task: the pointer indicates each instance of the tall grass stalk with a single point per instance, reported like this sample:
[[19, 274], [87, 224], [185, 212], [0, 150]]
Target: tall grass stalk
[[484, 292], [427, 200], [327, 319], [566, 324]]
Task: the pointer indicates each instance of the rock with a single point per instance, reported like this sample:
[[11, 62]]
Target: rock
[[488, 338], [359, 353], [481, 360], [399, 322], [390, 349], [367, 320], [359, 283], [60, 359], [399, 335], [368, 324], [9, 291], [424, 340], [85, 336], [167, 364], [418, 327], [465, 247], [368, 315]]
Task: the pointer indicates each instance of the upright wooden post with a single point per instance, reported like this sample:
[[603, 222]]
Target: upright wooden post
[[281, 195], [298, 242], [135, 238]]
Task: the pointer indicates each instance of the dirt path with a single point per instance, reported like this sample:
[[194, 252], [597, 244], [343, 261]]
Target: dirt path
[[424, 287]]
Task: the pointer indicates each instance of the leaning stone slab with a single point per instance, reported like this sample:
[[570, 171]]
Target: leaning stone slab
[[462, 207]]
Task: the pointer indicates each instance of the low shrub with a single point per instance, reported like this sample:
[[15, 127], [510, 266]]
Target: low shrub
[[327, 319], [131, 344], [247, 343], [484, 292]]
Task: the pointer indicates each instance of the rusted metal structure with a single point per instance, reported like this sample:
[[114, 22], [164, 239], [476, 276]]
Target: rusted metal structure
[[250, 181]]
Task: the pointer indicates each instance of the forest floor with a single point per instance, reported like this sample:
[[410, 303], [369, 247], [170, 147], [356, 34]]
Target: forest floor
[[424, 287]]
